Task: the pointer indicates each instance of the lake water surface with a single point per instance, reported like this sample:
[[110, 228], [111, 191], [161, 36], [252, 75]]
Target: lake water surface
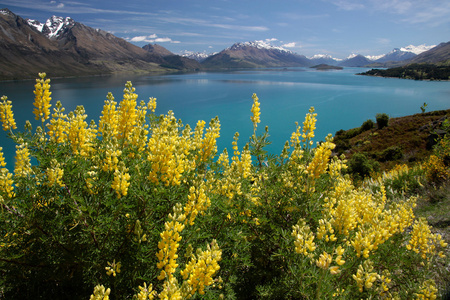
[[342, 99]]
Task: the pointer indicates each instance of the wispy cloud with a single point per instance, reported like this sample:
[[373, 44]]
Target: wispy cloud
[[433, 13], [383, 41], [153, 38], [290, 45], [69, 7], [432, 16]]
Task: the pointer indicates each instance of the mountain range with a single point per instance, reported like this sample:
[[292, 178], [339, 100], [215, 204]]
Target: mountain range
[[64, 47]]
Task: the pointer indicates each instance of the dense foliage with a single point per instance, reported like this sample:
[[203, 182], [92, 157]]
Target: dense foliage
[[414, 71], [140, 205]]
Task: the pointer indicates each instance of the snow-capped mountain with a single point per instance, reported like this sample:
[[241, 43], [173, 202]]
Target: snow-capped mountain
[[198, 56], [53, 27], [324, 59], [258, 45], [396, 55], [256, 54]]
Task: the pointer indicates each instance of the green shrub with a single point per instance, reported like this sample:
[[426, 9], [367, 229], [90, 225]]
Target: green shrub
[[382, 120], [390, 154], [360, 166], [367, 125]]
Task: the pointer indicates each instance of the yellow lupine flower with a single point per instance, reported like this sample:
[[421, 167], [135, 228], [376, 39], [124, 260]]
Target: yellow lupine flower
[[208, 146], [80, 135], [100, 293], [6, 183], [108, 125], [151, 105], [113, 268], [304, 238], [54, 174], [127, 113], [169, 243], [171, 290], [198, 203], [167, 152], [324, 260], [200, 270], [335, 270], [146, 293], [121, 182], [111, 160], [255, 112], [58, 125], [42, 98], [23, 164], [428, 290], [6, 114], [319, 163], [309, 125], [2, 158], [364, 276], [423, 241]]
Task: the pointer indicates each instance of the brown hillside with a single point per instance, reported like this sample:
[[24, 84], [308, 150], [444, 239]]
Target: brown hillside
[[405, 139]]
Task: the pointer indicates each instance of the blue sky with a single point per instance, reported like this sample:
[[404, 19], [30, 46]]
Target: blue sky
[[335, 27]]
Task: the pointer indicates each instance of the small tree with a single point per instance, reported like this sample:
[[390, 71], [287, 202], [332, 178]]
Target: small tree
[[382, 120]]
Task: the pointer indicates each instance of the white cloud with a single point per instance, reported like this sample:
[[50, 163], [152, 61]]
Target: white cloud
[[153, 38], [290, 45], [143, 38], [271, 40], [60, 5]]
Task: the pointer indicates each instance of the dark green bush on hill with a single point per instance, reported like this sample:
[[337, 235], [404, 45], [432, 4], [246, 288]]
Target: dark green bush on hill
[[367, 125], [390, 154], [382, 120], [360, 166]]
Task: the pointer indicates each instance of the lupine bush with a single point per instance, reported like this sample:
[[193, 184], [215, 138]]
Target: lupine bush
[[143, 206]]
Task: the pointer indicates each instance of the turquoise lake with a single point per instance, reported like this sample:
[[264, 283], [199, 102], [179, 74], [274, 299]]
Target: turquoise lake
[[341, 99]]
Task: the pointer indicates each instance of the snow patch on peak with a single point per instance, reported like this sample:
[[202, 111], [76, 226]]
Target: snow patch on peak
[[374, 57], [55, 25], [36, 24], [417, 49], [259, 45], [198, 56], [6, 12], [352, 56]]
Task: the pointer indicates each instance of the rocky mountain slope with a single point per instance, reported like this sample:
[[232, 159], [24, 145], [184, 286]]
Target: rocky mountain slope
[[171, 60], [63, 47]]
